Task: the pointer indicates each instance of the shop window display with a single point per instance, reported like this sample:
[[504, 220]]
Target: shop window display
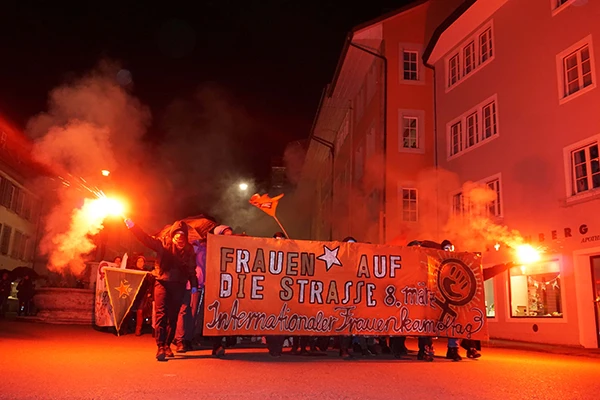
[[490, 309], [535, 290]]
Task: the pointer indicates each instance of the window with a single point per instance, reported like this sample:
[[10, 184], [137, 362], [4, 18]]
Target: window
[[474, 127], [409, 205], [453, 70], [475, 52], [16, 246], [559, 5], [490, 309], [456, 138], [494, 207], [5, 240], [585, 169], [481, 203], [6, 189], [410, 65], [489, 120], [410, 131], [458, 204], [577, 70], [535, 290], [575, 67], [469, 57], [485, 46]]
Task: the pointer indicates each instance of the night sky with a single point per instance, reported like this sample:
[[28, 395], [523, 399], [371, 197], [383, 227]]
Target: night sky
[[271, 57]]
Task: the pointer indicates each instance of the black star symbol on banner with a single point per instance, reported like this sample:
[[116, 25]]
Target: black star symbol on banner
[[330, 257]]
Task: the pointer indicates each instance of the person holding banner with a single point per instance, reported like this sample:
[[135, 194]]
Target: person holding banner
[[218, 348], [275, 342], [175, 265]]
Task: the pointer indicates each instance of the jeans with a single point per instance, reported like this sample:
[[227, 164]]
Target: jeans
[[168, 297], [185, 320]]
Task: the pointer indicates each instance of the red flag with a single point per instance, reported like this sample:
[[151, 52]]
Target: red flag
[[265, 203]]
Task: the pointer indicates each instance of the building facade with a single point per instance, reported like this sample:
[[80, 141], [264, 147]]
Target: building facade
[[19, 205], [516, 100], [372, 139], [440, 97]]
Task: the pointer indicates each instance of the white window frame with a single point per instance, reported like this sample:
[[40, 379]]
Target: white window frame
[[410, 48], [499, 208], [420, 116], [472, 58], [411, 64], [556, 7], [561, 73], [480, 131], [459, 52], [498, 205], [571, 195], [410, 211]]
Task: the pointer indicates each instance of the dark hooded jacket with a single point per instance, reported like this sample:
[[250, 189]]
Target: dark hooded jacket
[[172, 264]]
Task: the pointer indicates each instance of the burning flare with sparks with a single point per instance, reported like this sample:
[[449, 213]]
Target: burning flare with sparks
[[86, 221], [527, 254]]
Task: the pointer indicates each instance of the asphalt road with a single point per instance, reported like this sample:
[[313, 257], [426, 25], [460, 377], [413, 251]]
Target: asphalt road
[[39, 361]]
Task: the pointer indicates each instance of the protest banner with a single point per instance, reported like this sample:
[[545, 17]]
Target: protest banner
[[259, 286]]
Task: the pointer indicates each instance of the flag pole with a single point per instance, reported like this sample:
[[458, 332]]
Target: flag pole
[[281, 226]]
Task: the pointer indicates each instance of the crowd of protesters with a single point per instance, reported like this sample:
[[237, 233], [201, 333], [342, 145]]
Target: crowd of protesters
[[176, 287]]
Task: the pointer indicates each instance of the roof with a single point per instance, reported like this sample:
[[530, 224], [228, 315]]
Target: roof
[[452, 18], [388, 15]]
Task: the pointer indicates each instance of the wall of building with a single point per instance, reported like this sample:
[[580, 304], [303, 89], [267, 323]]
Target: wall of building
[[531, 154], [409, 99]]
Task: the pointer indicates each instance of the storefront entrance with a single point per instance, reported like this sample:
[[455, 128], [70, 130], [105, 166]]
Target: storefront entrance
[[596, 282]]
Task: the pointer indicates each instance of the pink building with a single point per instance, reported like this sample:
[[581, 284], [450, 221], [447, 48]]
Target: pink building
[[442, 95], [373, 133], [516, 111]]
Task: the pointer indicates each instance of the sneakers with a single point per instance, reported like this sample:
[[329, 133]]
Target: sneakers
[[452, 354], [160, 354], [472, 353], [168, 351], [180, 347], [345, 355], [218, 351], [425, 354]]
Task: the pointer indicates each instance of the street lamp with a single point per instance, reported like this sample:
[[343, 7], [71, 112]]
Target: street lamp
[[105, 172], [243, 186]]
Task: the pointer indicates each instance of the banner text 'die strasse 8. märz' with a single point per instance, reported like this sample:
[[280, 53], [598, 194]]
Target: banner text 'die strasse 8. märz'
[[259, 286]]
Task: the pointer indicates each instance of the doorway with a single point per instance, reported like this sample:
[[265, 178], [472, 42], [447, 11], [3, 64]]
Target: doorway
[[595, 261]]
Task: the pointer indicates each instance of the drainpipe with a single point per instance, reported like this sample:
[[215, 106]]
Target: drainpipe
[[331, 148], [385, 112], [327, 144], [435, 145]]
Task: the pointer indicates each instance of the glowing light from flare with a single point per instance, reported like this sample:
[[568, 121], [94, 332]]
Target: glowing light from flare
[[243, 186], [87, 221], [526, 254], [103, 207], [105, 172], [497, 246]]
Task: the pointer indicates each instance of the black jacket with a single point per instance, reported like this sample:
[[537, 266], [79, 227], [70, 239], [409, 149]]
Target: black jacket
[[172, 264]]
